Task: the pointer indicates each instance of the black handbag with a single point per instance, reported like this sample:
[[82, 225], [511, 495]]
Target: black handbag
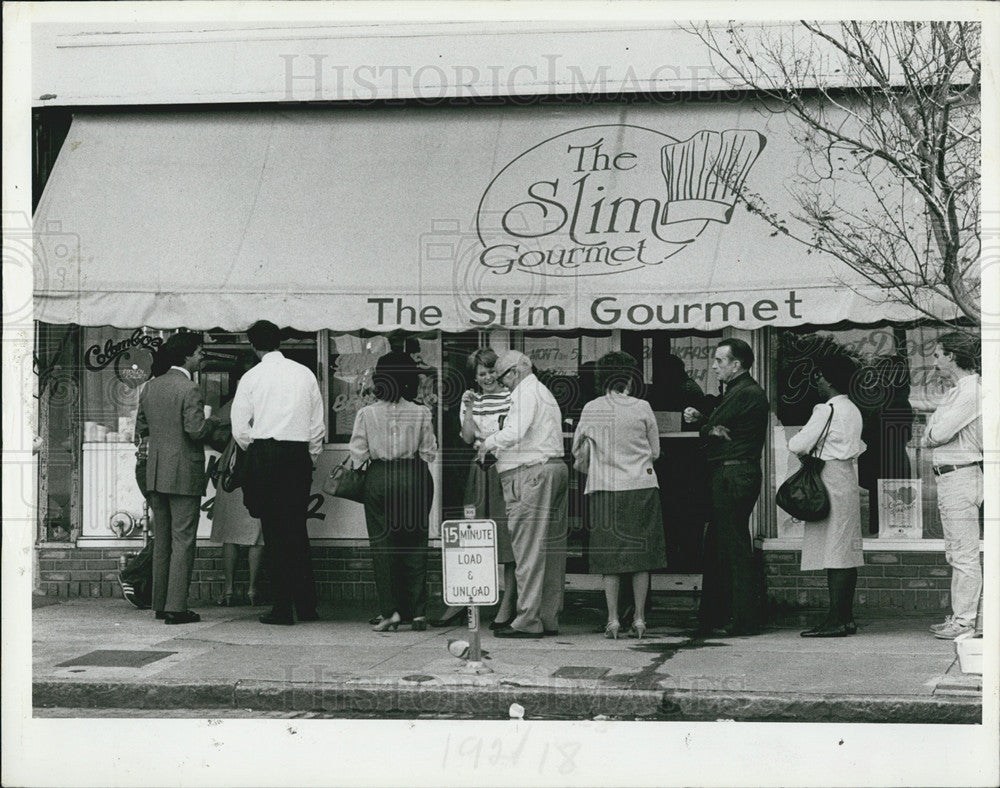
[[346, 482], [803, 494], [232, 467]]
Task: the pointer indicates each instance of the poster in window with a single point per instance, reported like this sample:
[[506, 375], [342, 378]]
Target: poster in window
[[899, 509]]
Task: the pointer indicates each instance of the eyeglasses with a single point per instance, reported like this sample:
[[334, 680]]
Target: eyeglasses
[[504, 374]]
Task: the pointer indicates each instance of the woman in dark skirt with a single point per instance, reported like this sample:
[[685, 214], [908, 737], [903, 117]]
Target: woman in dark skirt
[[616, 442], [394, 435]]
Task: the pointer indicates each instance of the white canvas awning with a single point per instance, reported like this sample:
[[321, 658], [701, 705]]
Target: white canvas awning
[[434, 217]]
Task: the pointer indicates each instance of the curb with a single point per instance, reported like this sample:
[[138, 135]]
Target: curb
[[487, 702]]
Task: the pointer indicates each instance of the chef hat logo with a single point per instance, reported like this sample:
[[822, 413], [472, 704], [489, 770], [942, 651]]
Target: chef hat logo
[[705, 173]]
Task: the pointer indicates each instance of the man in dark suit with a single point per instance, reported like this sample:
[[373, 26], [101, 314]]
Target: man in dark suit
[[734, 439], [172, 415]]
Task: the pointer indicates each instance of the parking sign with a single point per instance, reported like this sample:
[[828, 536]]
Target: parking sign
[[469, 561]]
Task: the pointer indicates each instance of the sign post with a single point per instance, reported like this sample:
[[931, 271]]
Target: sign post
[[469, 572]]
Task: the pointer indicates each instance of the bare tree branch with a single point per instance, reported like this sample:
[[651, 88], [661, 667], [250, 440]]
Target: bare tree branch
[[887, 114]]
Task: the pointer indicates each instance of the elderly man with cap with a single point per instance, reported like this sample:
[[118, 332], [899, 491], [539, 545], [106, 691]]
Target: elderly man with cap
[[529, 452]]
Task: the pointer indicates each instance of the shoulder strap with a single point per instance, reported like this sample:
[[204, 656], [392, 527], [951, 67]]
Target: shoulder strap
[[821, 441]]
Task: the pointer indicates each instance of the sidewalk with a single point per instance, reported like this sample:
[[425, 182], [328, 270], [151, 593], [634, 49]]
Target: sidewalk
[[891, 671]]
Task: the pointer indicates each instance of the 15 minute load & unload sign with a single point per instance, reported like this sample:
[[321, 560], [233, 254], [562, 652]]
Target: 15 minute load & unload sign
[[469, 561]]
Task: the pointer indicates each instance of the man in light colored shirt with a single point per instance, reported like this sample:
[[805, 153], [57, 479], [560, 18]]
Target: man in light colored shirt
[[955, 433], [529, 452], [277, 418]]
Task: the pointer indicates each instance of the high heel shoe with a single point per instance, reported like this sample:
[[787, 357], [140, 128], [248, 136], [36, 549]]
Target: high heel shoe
[[387, 623], [638, 629], [419, 624], [611, 630]]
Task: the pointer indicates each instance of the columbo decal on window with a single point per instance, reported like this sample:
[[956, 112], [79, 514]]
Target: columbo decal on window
[[609, 199]]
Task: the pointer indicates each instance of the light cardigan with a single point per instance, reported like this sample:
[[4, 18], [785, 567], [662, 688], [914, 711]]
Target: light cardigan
[[623, 440], [843, 442]]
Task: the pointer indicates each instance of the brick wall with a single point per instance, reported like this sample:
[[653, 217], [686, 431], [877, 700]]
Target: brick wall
[[342, 573], [903, 581], [897, 580]]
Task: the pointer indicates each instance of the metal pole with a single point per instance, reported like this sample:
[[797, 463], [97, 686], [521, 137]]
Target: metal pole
[[475, 650]]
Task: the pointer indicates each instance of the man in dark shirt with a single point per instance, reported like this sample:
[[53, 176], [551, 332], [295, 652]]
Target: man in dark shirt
[[734, 438]]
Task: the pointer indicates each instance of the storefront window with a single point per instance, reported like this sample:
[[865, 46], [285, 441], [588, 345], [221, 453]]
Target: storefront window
[[896, 389], [59, 426], [351, 362]]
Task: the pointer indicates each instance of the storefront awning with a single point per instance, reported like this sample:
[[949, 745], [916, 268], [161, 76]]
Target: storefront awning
[[532, 217]]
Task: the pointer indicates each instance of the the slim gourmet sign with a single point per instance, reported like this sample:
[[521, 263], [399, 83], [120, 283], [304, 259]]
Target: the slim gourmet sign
[[610, 199]]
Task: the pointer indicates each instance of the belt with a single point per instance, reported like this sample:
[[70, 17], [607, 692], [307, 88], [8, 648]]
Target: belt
[[939, 470], [719, 463]]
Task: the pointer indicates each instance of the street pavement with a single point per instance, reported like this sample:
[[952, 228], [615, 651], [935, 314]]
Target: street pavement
[[104, 654]]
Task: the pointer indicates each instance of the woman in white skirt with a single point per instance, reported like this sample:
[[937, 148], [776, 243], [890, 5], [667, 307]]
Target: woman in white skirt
[[834, 544]]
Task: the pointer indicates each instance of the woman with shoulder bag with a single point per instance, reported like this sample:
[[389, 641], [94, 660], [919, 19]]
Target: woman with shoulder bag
[[395, 437], [835, 542]]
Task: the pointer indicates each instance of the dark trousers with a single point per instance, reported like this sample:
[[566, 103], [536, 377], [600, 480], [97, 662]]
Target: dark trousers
[[175, 527], [398, 497], [729, 588], [276, 489]]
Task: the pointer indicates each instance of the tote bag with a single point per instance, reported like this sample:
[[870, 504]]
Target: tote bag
[[346, 482], [803, 494]]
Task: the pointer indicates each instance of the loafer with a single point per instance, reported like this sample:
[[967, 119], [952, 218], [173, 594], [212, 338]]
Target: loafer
[[184, 617], [275, 618], [510, 632], [838, 631]]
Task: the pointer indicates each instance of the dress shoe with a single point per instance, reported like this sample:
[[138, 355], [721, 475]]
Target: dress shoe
[[160, 615], [386, 624], [510, 632], [449, 618], [550, 633], [495, 625], [735, 631], [851, 627], [184, 617], [835, 631], [272, 617], [309, 615]]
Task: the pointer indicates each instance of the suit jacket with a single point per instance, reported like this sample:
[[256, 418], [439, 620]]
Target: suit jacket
[[744, 411], [172, 414]]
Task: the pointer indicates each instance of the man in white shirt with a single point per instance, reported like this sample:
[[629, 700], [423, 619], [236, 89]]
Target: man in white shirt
[[955, 432], [277, 418], [529, 452]]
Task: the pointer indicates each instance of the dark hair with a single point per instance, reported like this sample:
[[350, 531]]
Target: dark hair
[[615, 371], [264, 336], [481, 357], [839, 371], [963, 348], [160, 363], [740, 351], [177, 348], [396, 377]]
